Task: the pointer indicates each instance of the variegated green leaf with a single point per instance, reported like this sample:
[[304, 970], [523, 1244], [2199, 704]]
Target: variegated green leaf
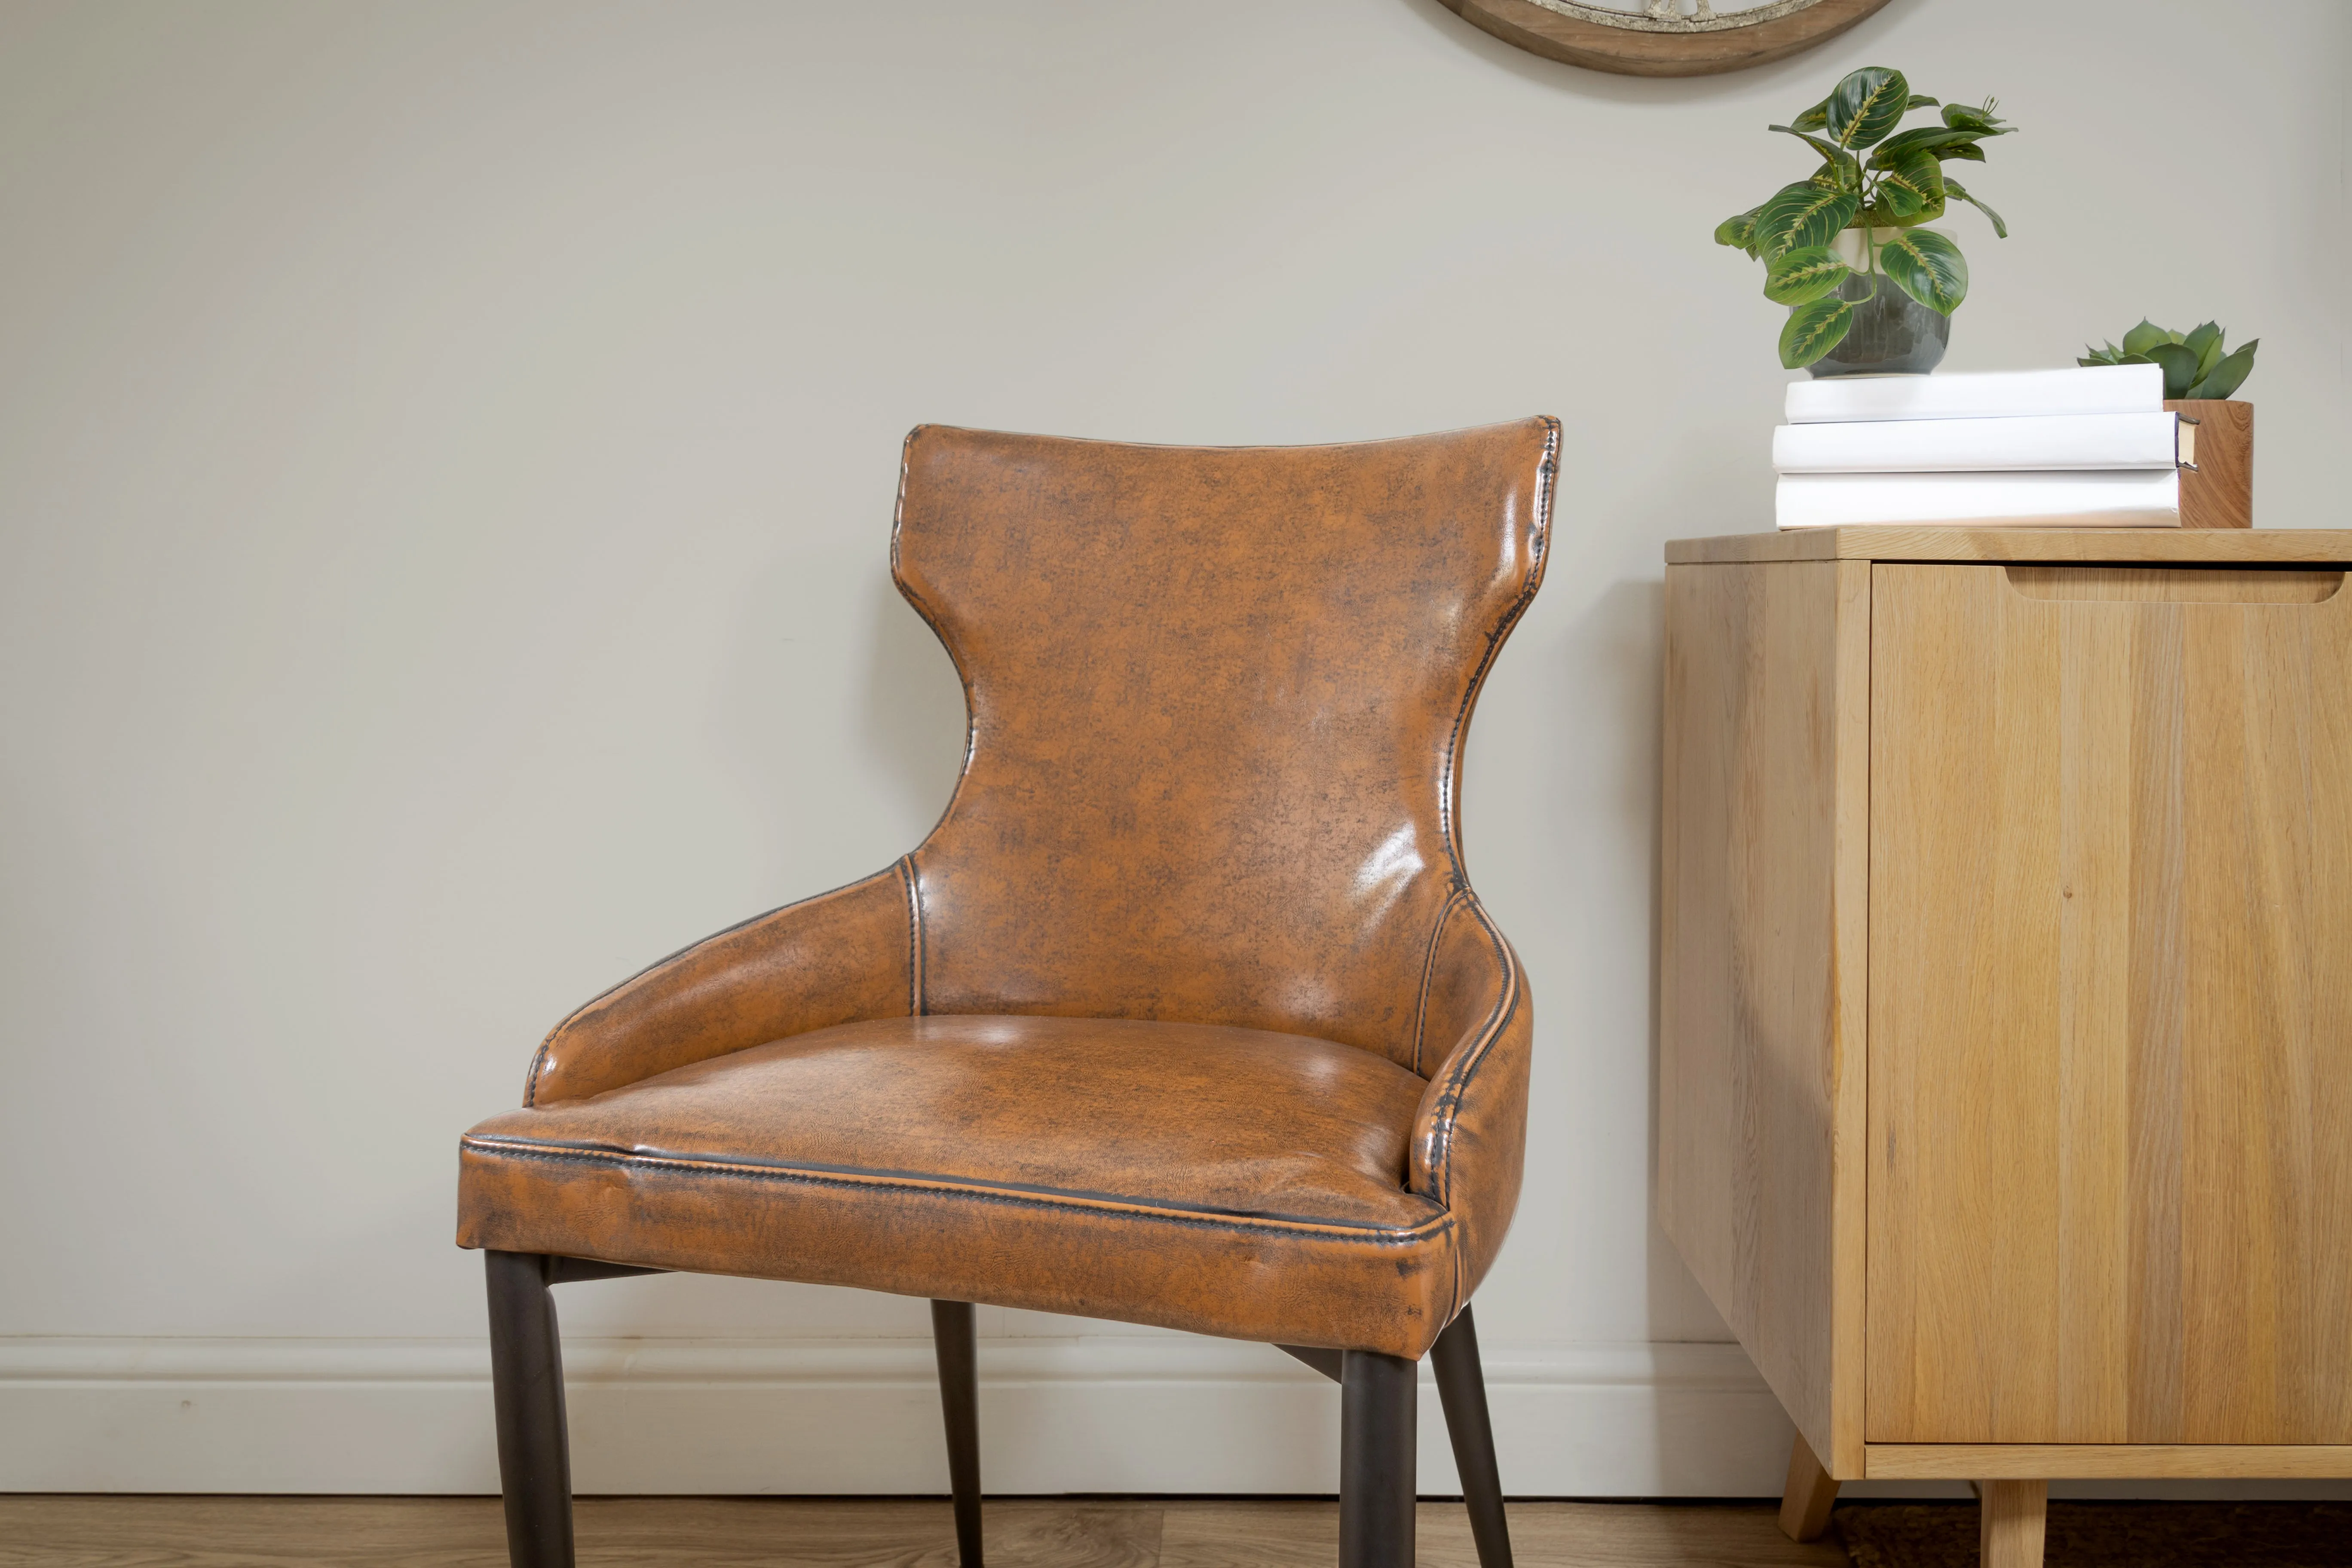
[[1960, 117], [1921, 100], [1865, 106], [1814, 119], [1927, 266], [1806, 274], [1925, 138], [1959, 192], [1876, 214], [1738, 230], [1800, 214], [1813, 330], [1843, 165], [1908, 188]]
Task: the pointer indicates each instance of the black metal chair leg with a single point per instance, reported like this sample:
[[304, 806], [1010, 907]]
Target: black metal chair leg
[[1376, 1461], [951, 1333], [527, 1385], [1461, 1389]]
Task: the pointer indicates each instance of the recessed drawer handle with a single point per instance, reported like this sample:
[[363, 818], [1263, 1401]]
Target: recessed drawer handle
[[2176, 584]]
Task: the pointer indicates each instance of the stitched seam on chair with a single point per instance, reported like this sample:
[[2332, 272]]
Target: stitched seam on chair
[[914, 938], [531, 1085], [922, 941], [1507, 1006], [1538, 537], [1428, 970], [898, 506], [538, 1058], [1458, 1081], [1435, 1225], [926, 1180]]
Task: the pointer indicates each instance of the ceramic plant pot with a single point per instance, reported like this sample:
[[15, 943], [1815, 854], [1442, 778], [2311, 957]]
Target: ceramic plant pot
[[1893, 334]]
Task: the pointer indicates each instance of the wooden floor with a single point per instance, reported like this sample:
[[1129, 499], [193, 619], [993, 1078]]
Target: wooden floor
[[726, 1533]]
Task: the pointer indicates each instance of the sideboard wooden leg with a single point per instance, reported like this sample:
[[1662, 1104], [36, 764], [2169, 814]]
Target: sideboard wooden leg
[[2014, 1514], [1805, 1502]]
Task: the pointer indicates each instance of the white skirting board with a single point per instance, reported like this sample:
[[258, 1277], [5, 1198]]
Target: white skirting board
[[678, 1416], [1109, 1413]]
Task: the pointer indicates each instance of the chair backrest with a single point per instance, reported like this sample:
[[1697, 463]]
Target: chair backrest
[[1218, 697]]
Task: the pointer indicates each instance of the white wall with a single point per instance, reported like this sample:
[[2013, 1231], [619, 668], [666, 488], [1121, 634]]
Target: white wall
[[446, 452]]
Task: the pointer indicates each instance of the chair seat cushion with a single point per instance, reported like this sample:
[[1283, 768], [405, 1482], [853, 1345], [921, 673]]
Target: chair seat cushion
[[1233, 1182]]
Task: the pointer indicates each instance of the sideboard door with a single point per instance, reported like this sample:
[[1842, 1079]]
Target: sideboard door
[[2110, 1062]]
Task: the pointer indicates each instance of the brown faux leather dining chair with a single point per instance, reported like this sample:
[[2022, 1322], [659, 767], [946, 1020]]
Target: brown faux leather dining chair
[[1183, 1014]]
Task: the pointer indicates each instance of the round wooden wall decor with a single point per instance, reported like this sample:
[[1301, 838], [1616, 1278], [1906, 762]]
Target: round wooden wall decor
[[1664, 37]]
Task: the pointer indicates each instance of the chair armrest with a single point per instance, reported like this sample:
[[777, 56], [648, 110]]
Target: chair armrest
[[833, 959], [1469, 1137]]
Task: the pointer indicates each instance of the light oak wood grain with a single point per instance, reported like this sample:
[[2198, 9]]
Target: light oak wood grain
[[2100, 861], [1810, 1494], [2219, 492], [2217, 547], [725, 1533], [2087, 1461], [2110, 1015], [1761, 1100], [2178, 585], [2014, 1516]]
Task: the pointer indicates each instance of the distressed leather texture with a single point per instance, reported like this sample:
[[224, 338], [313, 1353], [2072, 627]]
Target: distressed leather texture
[[1185, 1013]]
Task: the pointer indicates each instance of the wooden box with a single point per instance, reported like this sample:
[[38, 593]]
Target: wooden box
[[2219, 492], [2005, 1104]]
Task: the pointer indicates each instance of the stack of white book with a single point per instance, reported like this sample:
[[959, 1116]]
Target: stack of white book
[[2091, 447]]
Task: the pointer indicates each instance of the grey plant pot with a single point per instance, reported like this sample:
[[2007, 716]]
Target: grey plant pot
[[1893, 334]]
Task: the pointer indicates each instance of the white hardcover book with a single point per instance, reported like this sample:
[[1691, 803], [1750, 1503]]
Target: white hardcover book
[[1946, 446], [1983, 394], [2116, 498]]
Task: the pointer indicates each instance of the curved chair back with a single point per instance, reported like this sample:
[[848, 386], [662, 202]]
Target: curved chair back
[[1218, 699]]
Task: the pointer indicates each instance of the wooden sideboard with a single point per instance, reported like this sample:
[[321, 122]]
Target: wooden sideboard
[[2005, 1092]]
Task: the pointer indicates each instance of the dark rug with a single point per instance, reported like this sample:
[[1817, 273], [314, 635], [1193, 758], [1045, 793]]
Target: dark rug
[[2097, 1534]]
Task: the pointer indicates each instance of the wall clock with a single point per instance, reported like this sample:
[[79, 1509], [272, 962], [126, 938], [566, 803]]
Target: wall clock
[[1664, 37]]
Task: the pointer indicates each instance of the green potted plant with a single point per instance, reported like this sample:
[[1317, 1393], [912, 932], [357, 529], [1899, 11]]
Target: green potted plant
[[1829, 241], [2197, 365], [2202, 374]]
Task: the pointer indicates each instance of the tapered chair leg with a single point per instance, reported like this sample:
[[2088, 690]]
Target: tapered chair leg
[[951, 1333], [527, 1385], [1462, 1390], [1376, 1461]]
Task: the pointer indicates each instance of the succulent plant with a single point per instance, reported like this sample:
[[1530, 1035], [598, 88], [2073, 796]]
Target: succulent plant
[[2194, 364], [1902, 186]]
